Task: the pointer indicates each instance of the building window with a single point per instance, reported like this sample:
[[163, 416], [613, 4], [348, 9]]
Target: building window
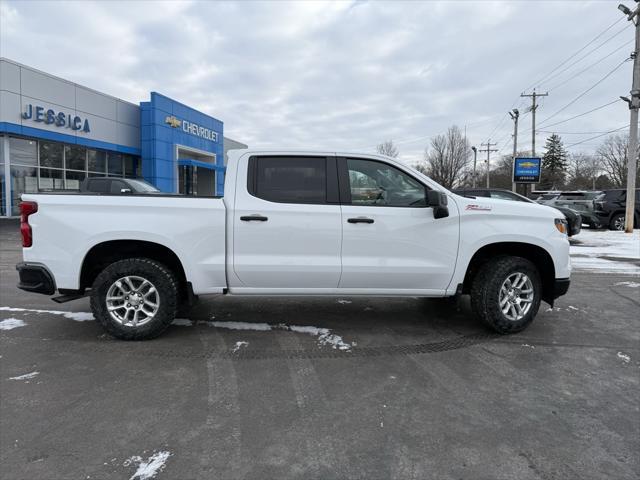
[[130, 166], [50, 179], [23, 151], [51, 155], [73, 179], [97, 161], [75, 157], [23, 180], [114, 163]]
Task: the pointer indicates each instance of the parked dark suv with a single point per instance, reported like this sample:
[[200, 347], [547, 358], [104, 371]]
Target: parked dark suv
[[610, 208], [574, 220], [116, 185]]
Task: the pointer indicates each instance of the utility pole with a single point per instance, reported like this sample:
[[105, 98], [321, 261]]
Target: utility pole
[[634, 104], [534, 107], [488, 150], [475, 158], [515, 115]]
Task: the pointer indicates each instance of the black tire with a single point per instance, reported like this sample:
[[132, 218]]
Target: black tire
[[165, 285], [617, 222], [485, 293]]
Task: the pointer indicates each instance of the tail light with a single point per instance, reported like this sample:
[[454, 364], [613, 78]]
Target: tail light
[[26, 209]]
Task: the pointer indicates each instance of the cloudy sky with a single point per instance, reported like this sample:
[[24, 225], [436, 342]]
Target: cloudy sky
[[343, 75]]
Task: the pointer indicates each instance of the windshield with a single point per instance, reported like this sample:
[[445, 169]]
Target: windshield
[[142, 186]]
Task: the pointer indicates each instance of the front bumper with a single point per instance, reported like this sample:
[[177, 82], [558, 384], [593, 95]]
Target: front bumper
[[561, 287], [35, 277]]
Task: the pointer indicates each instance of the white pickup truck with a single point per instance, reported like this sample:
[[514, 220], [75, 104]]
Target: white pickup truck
[[294, 223]]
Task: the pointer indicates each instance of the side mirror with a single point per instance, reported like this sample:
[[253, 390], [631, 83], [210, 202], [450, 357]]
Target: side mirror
[[125, 190], [438, 201]]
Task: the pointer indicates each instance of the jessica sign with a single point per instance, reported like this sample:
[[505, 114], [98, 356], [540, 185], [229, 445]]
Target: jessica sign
[[59, 119], [526, 170]]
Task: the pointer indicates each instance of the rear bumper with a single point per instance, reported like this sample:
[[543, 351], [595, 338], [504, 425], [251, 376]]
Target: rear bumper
[[561, 287], [35, 277]]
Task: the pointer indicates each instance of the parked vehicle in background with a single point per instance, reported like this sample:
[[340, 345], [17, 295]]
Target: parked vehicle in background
[[610, 208], [294, 223], [582, 202], [574, 219], [547, 198], [116, 185]]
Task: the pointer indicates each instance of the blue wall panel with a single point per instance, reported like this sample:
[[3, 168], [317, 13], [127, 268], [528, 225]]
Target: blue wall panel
[[159, 139]]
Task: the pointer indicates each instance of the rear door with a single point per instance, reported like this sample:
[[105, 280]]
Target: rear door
[[287, 223], [390, 239]]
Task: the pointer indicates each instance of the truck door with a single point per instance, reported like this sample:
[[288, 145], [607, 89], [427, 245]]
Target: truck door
[[390, 239], [287, 226]]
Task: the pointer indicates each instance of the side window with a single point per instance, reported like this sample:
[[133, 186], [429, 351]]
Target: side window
[[117, 185], [98, 186], [374, 183], [289, 179]]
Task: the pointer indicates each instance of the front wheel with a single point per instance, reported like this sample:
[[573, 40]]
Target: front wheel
[[135, 299], [506, 294], [618, 222]]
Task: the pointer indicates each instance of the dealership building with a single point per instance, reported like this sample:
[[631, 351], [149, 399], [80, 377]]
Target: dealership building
[[55, 133]]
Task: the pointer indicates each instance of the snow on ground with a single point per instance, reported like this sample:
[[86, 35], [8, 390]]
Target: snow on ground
[[606, 252], [77, 316], [325, 337], [26, 376], [239, 345], [11, 323], [149, 469], [625, 358], [628, 284]]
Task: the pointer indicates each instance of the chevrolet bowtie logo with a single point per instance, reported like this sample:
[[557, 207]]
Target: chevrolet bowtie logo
[[173, 121], [528, 164]]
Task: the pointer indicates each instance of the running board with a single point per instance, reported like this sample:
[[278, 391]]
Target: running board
[[68, 298]]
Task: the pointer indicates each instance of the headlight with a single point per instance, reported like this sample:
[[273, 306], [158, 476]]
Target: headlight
[[561, 225]]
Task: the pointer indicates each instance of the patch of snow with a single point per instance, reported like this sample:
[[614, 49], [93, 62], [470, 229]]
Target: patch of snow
[[571, 307], [77, 316], [325, 337], [624, 357], [527, 345], [628, 284], [149, 469], [26, 376], [261, 327], [182, 322], [11, 323], [344, 302], [589, 247], [239, 345]]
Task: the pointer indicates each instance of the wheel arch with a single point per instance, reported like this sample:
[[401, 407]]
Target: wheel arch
[[107, 252], [534, 253]]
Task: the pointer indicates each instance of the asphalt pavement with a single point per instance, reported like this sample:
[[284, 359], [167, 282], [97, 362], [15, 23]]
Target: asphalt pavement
[[379, 389]]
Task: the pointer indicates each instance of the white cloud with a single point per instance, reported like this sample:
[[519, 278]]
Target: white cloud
[[336, 75]]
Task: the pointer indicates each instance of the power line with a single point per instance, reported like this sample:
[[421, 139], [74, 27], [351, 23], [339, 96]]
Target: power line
[[585, 92], [583, 114], [592, 65], [585, 55], [569, 133], [597, 136], [574, 54]]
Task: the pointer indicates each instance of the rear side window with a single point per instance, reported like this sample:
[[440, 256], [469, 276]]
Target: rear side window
[[117, 185], [98, 186], [288, 179]]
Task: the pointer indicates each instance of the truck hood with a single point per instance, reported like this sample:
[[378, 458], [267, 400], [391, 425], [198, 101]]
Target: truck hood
[[494, 206]]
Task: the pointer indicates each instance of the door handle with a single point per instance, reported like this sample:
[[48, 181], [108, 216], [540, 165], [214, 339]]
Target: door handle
[[360, 220], [254, 218]]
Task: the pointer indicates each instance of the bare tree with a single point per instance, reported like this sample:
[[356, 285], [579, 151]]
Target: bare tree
[[613, 154], [388, 148], [448, 158], [583, 171]]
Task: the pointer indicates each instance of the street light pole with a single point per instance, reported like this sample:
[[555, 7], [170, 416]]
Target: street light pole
[[475, 158], [634, 104], [515, 114]]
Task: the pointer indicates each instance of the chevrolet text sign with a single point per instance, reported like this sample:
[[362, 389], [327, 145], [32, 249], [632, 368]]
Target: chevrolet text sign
[[192, 128]]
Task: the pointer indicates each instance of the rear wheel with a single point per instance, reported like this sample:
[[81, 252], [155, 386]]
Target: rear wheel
[[135, 299], [506, 294], [617, 222]]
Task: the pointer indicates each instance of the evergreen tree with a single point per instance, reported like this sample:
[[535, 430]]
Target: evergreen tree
[[554, 164]]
